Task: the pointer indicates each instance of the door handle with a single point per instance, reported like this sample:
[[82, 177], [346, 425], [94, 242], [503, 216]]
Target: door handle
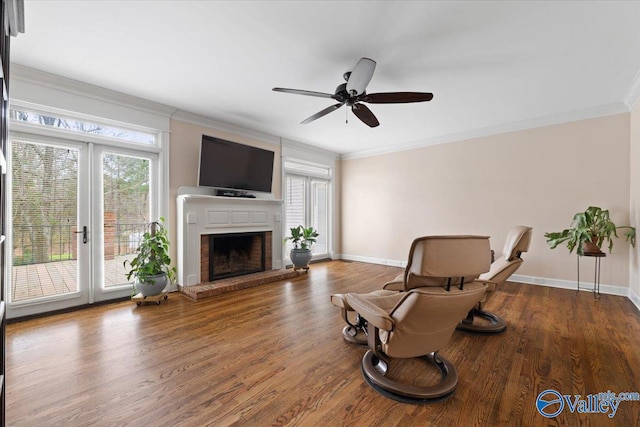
[[84, 233]]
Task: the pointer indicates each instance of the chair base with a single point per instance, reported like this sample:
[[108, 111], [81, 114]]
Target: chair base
[[374, 371], [354, 335], [496, 323]]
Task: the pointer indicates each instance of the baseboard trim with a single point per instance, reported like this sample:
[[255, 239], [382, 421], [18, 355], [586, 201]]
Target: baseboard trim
[[570, 284], [370, 260], [635, 299], [529, 280]]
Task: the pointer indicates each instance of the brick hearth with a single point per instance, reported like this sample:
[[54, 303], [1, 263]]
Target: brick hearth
[[210, 289]]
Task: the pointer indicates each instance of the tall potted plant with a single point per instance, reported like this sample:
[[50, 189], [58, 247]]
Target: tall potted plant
[[302, 239], [151, 266], [589, 231]]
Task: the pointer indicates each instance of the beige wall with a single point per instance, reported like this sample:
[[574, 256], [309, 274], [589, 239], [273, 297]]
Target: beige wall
[[634, 196], [183, 163], [539, 177]]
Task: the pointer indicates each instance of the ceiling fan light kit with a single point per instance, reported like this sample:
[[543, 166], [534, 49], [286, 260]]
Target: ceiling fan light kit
[[353, 93]]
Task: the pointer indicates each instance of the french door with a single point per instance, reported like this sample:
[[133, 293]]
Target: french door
[[78, 211], [307, 204]]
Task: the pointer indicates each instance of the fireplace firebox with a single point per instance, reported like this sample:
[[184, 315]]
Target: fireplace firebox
[[235, 254]]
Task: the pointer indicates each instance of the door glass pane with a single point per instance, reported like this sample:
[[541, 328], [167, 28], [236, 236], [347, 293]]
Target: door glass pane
[[319, 215], [126, 212], [295, 203], [45, 219]]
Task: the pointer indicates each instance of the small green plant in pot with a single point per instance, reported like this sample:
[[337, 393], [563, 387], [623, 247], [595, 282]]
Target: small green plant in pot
[[151, 267], [589, 231], [302, 239]]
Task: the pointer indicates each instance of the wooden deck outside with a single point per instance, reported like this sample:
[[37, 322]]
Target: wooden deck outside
[[58, 277]]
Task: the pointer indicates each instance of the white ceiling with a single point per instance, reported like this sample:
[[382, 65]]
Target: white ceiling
[[490, 65]]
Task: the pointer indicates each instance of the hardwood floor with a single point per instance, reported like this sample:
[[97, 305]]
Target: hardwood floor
[[274, 355]]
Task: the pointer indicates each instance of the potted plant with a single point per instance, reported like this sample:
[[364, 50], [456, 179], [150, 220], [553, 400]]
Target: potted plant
[[588, 231], [151, 265], [302, 239]]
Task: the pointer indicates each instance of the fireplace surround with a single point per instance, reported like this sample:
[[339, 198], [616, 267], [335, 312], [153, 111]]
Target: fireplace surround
[[200, 216]]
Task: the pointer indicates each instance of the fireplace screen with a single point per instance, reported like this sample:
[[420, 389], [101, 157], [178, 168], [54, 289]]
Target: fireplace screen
[[236, 254]]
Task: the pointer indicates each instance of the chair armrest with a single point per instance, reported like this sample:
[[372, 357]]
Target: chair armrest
[[394, 286], [397, 284], [491, 286], [371, 308], [340, 300]]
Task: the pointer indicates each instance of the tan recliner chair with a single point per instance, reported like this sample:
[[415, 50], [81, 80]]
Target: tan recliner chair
[[419, 323], [415, 275], [479, 320]]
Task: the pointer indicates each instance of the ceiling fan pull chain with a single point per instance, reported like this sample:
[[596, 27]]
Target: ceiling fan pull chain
[[346, 116]]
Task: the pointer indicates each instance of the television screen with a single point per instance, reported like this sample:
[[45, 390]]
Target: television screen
[[226, 164]]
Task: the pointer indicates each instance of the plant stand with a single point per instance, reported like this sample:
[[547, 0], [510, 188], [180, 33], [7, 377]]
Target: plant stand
[[596, 276], [140, 299], [306, 269]]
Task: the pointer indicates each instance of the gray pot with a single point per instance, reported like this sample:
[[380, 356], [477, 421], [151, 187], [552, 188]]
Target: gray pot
[[153, 286], [300, 257]]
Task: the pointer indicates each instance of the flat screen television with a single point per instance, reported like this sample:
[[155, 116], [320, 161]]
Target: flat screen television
[[229, 165]]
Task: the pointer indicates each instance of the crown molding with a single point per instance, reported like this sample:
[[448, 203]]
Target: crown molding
[[208, 122], [309, 148], [54, 81], [634, 92], [556, 119]]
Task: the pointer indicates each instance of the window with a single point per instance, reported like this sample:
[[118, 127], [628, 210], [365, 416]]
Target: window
[[73, 125], [307, 189]]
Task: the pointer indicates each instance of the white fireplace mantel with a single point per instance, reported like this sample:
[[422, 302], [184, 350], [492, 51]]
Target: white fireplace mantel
[[204, 214]]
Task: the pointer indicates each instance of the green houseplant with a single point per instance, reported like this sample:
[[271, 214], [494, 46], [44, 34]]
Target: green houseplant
[[151, 267], [302, 239], [589, 231]]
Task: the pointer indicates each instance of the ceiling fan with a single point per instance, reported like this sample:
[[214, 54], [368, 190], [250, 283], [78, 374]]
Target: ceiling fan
[[353, 92]]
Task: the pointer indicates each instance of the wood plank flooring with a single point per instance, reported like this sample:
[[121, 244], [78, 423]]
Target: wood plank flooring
[[273, 356]]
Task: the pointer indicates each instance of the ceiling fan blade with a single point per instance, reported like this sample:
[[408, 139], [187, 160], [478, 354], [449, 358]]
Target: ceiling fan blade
[[321, 113], [361, 76], [396, 97], [303, 92], [364, 113]]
